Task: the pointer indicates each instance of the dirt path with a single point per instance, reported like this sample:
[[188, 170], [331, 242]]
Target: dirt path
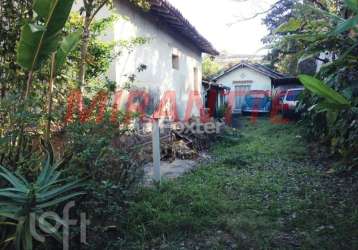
[[264, 191]]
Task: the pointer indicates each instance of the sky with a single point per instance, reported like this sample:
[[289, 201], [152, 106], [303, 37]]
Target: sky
[[222, 23]]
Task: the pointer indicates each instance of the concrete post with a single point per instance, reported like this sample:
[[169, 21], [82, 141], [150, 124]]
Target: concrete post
[[156, 150]]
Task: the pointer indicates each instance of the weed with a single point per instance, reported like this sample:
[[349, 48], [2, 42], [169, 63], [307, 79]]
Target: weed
[[261, 192]]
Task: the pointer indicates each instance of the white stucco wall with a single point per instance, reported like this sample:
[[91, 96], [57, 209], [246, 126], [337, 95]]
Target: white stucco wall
[[259, 81], [247, 78], [156, 54]]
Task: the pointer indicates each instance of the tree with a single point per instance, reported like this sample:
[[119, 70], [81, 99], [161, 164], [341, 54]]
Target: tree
[[284, 54], [279, 14], [89, 11], [13, 13], [281, 56], [210, 67], [330, 109]]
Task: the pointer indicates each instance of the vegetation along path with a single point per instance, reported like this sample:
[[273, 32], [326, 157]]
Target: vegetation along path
[[266, 189]]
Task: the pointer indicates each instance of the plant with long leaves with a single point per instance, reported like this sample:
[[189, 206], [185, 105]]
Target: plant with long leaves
[[320, 88], [41, 39], [23, 202], [332, 102], [320, 39]]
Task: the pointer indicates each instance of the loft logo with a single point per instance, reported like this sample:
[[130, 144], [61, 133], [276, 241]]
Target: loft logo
[[48, 228]]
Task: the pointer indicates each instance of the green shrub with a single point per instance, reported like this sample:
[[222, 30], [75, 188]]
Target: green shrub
[[23, 201]]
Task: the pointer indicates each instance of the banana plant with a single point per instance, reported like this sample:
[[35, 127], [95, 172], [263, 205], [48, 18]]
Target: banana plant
[[58, 58], [66, 46], [320, 88], [41, 39], [333, 101], [23, 202]]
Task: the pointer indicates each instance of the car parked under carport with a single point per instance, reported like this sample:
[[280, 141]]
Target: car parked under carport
[[256, 101]]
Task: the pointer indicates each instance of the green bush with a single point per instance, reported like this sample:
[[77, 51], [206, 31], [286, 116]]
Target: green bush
[[330, 111], [23, 201]]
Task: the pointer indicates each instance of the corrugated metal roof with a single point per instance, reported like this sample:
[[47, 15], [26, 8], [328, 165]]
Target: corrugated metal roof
[[177, 22]]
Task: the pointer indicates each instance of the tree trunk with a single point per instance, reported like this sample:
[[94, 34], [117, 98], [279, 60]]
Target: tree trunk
[[28, 85], [84, 51], [49, 98], [24, 98], [91, 11]]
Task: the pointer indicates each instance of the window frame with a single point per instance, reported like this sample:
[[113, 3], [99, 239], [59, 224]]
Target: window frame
[[175, 61]]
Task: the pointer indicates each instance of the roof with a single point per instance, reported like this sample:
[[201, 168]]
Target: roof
[[290, 80], [168, 14], [214, 85], [256, 67]]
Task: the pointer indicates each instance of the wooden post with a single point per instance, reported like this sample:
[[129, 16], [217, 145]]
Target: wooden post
[[156, 150]]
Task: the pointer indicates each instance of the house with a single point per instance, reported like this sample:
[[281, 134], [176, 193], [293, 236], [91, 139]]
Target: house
[[244, 77], [172, 53], [215, 98]]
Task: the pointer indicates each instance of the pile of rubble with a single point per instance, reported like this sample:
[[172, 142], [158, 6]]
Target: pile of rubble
[[179, 140], [182, 147], [193, 137]]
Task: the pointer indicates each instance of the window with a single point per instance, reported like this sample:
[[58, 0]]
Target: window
[[196, 79], [293, 95], [175, 61], [240, 93], [243, 82]]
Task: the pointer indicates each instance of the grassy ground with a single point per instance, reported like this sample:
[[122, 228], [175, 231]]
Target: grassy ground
[[263, 191]]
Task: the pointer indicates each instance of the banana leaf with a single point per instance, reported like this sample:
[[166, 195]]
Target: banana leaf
[[320, 88], [67, 45], [40, 38]]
